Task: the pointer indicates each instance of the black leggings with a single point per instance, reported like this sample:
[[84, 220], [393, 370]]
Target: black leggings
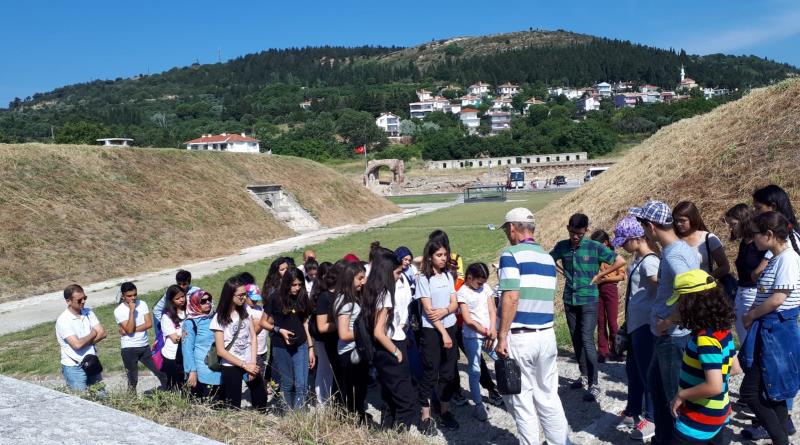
[[773, 415], [232, 378], [205, 392], [353, 386], [397, 390], [438, 370], [173, 370], [131, 358]]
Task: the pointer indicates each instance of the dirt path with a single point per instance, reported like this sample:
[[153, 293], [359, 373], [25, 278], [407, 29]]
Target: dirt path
[[27, 312]]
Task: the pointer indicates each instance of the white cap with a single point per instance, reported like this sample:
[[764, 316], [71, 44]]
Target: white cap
[[519, 215]]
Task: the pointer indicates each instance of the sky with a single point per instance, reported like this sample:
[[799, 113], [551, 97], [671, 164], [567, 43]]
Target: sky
[[46, 44]]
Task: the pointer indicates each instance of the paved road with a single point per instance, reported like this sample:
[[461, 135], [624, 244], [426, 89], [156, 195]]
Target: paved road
[[24, 313]]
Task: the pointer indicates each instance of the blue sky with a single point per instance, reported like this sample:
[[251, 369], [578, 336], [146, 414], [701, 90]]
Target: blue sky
[[46, 44]]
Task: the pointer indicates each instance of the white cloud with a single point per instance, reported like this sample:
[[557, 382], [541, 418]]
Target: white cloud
[[780, 25]]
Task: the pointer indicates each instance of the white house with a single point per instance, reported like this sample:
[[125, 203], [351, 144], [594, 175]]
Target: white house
[[507, 89], [470, 100], [569, 93], [709, 93], [116, 142], [588, 103], [478, 89], [424, 95], [652, 97], [499, 121], [648, 89], [531, 102], [603, 89], [306, 104], [502, 104], [418, 110], [455, 107], [389, 123], [236, 143], [470, 119]]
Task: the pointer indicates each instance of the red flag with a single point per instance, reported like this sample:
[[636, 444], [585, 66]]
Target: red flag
[[360, 150]]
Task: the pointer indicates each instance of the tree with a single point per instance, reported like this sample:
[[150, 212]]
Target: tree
[[358, 128], [81, 132], [453, 50]]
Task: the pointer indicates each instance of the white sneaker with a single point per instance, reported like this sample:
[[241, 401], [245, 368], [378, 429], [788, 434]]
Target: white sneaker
[[626, 422], [644, 430]]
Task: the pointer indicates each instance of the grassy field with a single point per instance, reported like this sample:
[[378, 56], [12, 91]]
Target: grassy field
[[34, 352], [421, 199]]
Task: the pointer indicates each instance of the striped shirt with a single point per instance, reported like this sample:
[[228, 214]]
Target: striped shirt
[[702, 419], [580, 266], [527, 268], [781, 274]]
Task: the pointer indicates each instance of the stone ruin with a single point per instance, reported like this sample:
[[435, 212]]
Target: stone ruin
[[372, 177]]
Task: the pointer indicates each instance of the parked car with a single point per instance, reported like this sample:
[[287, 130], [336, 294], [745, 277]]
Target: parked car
[[560, 180]]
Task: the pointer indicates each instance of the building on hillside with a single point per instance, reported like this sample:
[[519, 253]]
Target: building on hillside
[[502, 104], [588, 103], [626, 100], [116, 142], [526, 160], [667, 96], [603, 89], [687, 83], [231, 142], [470, 120], [424, 95], [531, 102], [507, 89], [648, 89], [470, 100], [569, 93], [622, 87], [389, 123], [306, 104], [418, 110], [478, 89], [499, 121], [709, 93], [652, 97], [455, 107]]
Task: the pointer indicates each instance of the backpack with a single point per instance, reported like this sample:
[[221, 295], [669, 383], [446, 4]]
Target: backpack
[[364, 340]]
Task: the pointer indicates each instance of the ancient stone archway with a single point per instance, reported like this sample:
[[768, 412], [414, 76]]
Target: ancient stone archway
[[395, 165]]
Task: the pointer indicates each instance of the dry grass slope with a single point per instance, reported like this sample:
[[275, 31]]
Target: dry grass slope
[[75, 213], [716, 160]]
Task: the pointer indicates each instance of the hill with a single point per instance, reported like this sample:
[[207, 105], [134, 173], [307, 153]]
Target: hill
[[715, 160], [258, 93], [85, 214]]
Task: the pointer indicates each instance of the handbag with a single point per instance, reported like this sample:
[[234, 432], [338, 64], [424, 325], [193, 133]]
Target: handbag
[[622, 341], [155, 351], [728, 282], [212, 359], [509, 378], [91, 365]]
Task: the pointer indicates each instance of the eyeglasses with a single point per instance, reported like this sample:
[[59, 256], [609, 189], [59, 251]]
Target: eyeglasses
[[240, 295], [82, 300], [205, 300]]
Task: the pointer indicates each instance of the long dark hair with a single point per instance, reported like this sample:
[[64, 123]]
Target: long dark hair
[[380, 281], [776, 223], [169, 307], [226, 305], [273, 278], [345, 288], [690, 211], [708, 309], [319, 282], [287, 302], [431, 247], [774, 196], [742, 213]]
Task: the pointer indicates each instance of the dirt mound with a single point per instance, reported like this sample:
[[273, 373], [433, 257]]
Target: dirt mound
[[716, 160], [73, 213]]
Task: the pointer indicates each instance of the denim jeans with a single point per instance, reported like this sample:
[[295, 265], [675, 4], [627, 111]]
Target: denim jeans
[[582, 322], [292, 365], [473, 349], [77, 379], [638, 361], [663, 378]]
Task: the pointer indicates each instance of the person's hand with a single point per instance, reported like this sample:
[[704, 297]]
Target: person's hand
[[747, 319], [502, 347], [251, 368], [493, 334], [192, 381], [312, 359], [662, 325], [287, 336], [399, 356], [131, 305], [447, 342], [488, 343], [597, 279], [676, 405]]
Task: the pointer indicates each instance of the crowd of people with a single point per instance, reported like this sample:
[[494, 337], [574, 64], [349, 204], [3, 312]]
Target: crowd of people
[[321, 332]]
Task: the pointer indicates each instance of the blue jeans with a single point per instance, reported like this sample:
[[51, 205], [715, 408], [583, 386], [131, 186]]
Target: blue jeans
[[77, 379], [638, 361], [473, 350], [663, 377], [292, 366]]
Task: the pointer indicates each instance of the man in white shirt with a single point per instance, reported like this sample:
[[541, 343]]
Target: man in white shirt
[[78, 331]]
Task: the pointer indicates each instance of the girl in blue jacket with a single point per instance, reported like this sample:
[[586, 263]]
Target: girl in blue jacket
[[203, 382]]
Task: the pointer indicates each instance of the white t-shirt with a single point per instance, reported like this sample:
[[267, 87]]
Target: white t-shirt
[[261, 337], [79, 326], [478, 303], [137, 339], [402, 297], [241, 347], [170, 349], [642, 291], [782, 273], [353, 310], [714, 243]]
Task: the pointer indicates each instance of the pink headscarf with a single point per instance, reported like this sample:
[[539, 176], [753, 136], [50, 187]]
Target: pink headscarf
[[194, 309]]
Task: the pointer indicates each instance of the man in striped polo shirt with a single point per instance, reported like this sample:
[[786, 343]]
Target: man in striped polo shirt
[[528, 285]]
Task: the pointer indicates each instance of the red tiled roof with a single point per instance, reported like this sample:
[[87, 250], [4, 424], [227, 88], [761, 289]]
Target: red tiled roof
[[217, 138], [469, 110]]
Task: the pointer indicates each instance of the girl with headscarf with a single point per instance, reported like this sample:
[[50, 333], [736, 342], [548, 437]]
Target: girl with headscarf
[[203, 382]]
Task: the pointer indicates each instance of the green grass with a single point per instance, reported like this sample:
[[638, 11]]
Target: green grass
[[423, 199], [34, 352]]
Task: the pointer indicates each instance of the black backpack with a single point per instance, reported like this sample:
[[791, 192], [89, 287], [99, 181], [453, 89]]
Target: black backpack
[[364, 341]]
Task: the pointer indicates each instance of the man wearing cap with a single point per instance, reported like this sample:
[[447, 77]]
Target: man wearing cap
[[580, 263], [528, 286], [677, 257]]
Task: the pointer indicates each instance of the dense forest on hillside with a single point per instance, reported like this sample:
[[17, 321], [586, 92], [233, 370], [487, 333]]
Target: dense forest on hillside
[[348, 87]]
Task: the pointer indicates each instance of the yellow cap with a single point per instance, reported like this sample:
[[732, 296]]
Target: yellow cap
[[696, 280]]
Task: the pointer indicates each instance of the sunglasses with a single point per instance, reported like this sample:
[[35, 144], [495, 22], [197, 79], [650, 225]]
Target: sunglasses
[[205, 300], [82, 300]]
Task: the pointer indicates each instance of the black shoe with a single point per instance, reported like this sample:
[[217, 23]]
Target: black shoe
[[601, 359], [427, 427], [592, 395], [577, 384], [790, 427], [448, 420], [458, 399]]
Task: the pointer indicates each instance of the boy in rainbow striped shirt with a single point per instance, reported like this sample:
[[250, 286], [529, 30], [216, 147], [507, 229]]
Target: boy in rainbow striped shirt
[[702, 407]]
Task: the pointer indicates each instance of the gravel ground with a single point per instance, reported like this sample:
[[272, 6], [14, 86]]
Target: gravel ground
[[590, 423]]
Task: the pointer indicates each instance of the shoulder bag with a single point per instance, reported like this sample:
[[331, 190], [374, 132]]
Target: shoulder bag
[[212, 359]]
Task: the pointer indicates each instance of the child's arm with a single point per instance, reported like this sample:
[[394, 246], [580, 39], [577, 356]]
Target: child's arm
[[710, 388], [492, 316], [772, 303], [437, 324], [468, 321]]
